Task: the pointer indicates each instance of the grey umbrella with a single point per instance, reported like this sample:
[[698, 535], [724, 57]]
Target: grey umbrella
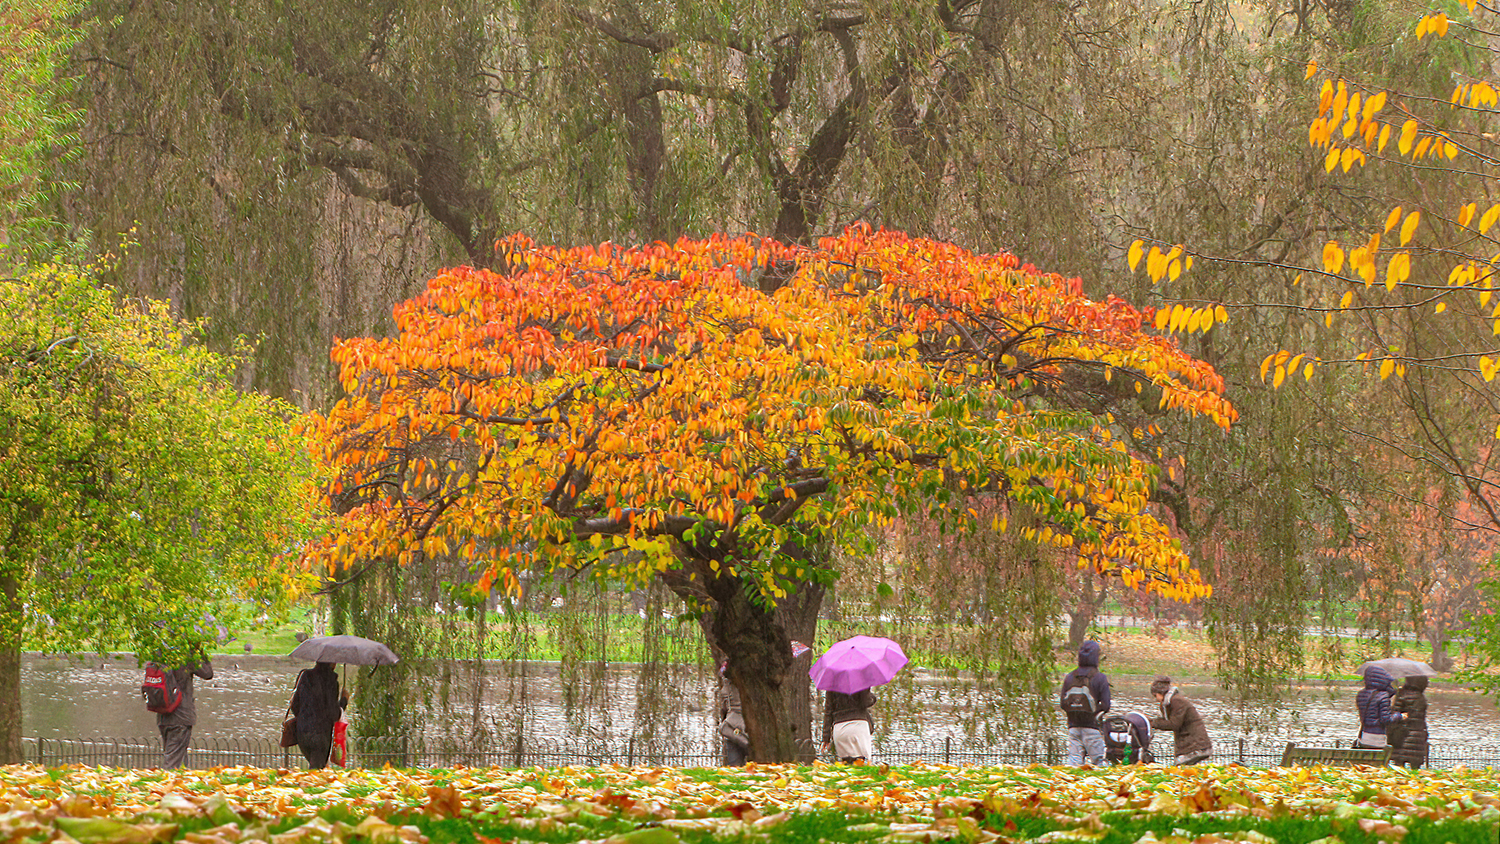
[[349, 650], [1398, 667]]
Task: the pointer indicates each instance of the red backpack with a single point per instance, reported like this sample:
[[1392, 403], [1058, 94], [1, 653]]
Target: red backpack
[[160, 690]]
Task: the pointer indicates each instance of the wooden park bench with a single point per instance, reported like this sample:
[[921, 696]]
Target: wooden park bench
[[1342, 757]]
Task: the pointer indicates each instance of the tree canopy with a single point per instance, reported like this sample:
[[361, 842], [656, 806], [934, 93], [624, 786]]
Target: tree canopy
[[143, 491], [700, 407]]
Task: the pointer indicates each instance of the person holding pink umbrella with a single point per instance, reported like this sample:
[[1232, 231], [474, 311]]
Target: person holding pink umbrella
[[846, 672]]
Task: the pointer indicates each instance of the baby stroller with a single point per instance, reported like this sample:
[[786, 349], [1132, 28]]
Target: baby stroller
[[1127, 739]]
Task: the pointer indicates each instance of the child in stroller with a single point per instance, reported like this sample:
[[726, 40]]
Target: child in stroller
[[1127, 739]]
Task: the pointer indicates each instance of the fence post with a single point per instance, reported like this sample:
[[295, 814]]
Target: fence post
[[630, 753], [947, 750]]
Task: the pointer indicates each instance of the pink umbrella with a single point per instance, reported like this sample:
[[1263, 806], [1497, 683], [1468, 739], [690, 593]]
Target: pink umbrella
[[857, 663]]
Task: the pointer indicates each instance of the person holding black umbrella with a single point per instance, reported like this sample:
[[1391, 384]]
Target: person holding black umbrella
[[317, 703]]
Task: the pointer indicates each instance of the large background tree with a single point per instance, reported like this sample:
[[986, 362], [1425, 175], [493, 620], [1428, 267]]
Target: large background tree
[[652, 410], [142, 491]]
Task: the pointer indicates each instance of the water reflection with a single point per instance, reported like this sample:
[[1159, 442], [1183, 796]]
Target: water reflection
[[100, 698]]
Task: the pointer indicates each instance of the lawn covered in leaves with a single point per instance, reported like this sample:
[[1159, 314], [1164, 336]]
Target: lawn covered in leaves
[[820, 804]]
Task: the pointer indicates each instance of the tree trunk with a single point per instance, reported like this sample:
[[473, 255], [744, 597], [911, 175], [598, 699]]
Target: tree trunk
[[11, 614], [775, 694], [1441, 659], [798, 615], [1082, 616]]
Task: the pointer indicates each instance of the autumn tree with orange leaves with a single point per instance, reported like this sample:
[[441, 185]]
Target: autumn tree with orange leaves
[[696, 410]]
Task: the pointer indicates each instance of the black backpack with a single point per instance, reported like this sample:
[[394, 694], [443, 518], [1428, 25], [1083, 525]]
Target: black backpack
[[160, 690], [1078, 699]]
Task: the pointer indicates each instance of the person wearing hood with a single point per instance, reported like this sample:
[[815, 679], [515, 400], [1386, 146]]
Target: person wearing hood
[[1408, 737], [1084, 699], [1374, 705], [1180, 717]]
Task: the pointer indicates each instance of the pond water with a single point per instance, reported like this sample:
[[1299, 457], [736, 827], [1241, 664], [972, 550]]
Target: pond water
[[99, 698]]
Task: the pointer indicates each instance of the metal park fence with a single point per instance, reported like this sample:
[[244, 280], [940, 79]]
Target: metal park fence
[[420, 752]]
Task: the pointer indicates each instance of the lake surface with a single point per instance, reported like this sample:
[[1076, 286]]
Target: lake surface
[[100, 698]]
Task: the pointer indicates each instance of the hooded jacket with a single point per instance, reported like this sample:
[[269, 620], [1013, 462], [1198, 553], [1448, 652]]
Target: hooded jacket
[[1408, 738], [1180, 717], [1374, 702], [1088, 673]]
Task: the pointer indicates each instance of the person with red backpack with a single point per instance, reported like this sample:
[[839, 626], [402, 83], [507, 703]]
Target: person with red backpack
[[169, 693], [1084, 699]]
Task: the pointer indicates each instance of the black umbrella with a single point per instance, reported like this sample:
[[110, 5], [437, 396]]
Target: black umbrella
[[349, 650]]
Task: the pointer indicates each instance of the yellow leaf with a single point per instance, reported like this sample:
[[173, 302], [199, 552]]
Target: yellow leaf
[[1439, 24], [1408, 135], [1292, 364], [1333, 257], [1331, 160], [1421, 28], [1354, 107], [1220, 314], [1409, 227], [1325, 97], [1265, 365], [1350, 127], [1307, 371], [1174, 270], [1422, 146], [1280, 376], [1440, 307], [1466, 214], [1391, 219], [1387, 366], [1312, 69], [1373, 105], [1347, 300], [1350, 156], [1489, 218], [1385, 135], [1162, 315], [1450, 150], [1133, 256]]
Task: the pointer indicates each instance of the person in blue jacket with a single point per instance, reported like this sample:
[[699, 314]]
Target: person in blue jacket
[[1374, 704], [1084, 698]]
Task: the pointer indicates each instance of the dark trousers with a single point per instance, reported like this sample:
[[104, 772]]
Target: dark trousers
[[175, 739]]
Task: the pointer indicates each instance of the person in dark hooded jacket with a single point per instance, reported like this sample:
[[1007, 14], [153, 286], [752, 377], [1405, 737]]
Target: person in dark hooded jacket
[[1085, 698], [1374, 705], [317, 703], [1408, 737]]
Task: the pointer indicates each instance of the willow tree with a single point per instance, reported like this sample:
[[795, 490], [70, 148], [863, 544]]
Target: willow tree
[[1371, 293], [142, 490], [37, 125], [334, 151], [593, 402]]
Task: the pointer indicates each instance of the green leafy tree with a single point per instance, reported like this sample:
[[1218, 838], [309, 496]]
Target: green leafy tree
[[142, 490]]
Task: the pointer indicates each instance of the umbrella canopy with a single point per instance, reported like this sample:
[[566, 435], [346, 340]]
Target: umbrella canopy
[[352, 650], [857, 663], [1398, 667]]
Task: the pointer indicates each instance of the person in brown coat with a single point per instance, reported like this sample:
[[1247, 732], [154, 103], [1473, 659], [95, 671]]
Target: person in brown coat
[[847, 725], [1408, 737], [1181, 718]]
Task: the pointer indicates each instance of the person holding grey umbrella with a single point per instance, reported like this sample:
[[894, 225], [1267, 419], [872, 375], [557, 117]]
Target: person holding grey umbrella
[[317, 703], [319, 695]]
